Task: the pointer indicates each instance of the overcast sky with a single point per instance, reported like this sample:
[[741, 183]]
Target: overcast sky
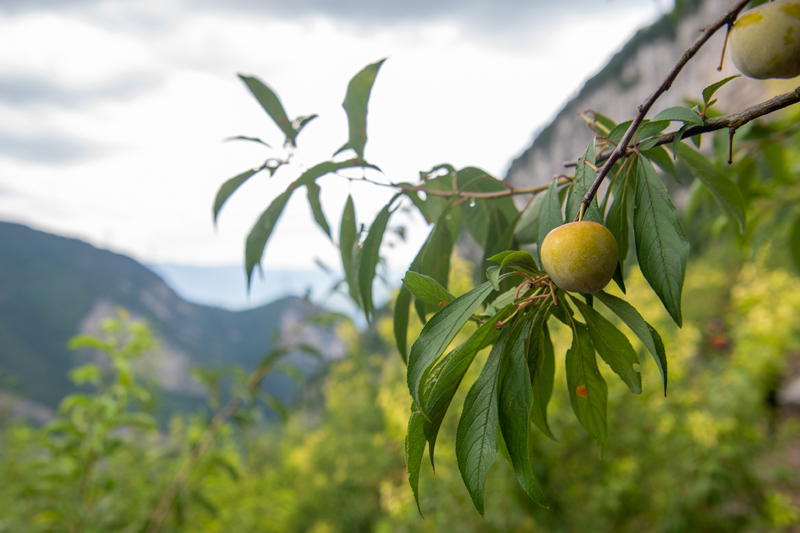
[[113, 112]]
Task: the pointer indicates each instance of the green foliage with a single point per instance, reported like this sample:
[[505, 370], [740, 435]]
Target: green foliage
[[703, 460], [512, 309]]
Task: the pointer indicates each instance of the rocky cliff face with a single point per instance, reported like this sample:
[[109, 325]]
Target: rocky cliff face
[[630, 77]]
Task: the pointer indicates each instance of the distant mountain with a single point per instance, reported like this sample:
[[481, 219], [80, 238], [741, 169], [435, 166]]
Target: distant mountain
[[629, 77], [52, 288]]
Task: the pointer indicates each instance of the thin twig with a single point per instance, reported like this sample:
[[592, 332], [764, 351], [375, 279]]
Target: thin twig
[[663, 87]]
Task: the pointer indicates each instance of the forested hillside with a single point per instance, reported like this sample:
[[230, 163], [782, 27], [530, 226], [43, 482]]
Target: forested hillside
[[52, 288]]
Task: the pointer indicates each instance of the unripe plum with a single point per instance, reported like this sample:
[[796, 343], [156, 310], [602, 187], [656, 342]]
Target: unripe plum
[[765, 41], [580, 256]]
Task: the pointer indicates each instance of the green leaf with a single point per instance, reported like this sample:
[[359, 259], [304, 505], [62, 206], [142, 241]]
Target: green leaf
[[613, 346], [516, 401], [300, 122], [620, 210], [616, 134], [550, 216], [433, 258], [527, 231], [584, 178], [355, 105], [370, 255], [619, 278], [680, 114], [313, 201], [261, 231], [725, 191], [326, 167], [709, 91], [676, 142], [272, 105], [251, 139], [227, 189], [476, 435], [493, 275], [515, 258], [660, 157], [794, 242], [542, 369], [588, 392], [415, 450], [661, 245], [348, 239], [441, 389], [437, 334], [646, 333], [648, 128], [402, 309], [427, 289], [89, 341], [487, 219]]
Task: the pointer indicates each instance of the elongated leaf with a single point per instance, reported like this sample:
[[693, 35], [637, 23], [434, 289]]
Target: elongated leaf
[[588, 392], [415, 450], [681, 114], [516, 401], [616, 134], [313, 201], [620, 210], [661, 245], [355, 105], [542, 369], [709, 91], [613, 346], [261, 231], [453, 368], [370, 254], [427, 289], [527, 231], [493, 275], [584, 178], [348, 239], [437, 334], [227, 189], [650, 128], [272, 105], [402, 309], [660, 157], [89, 341], [300, 122], [485, 218], [476, 435], [433, 258], [515, 258], [646, 333], [550, 217], [251, 139], [726, 192], [326, 167], [676, 142]]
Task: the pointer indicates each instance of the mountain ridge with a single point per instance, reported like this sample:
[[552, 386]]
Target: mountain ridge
[[54, 287]]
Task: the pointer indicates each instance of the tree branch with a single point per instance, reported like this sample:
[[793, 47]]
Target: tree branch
[[731, 121], [708, 31]]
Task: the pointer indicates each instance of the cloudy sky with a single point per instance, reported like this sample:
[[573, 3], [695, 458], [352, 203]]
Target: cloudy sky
[[113, 112]]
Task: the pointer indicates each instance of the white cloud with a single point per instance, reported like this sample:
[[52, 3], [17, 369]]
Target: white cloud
[[444, 95]]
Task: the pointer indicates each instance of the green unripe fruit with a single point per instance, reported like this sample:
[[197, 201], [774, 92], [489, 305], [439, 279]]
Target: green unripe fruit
[[765, 41], [580, 256]]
